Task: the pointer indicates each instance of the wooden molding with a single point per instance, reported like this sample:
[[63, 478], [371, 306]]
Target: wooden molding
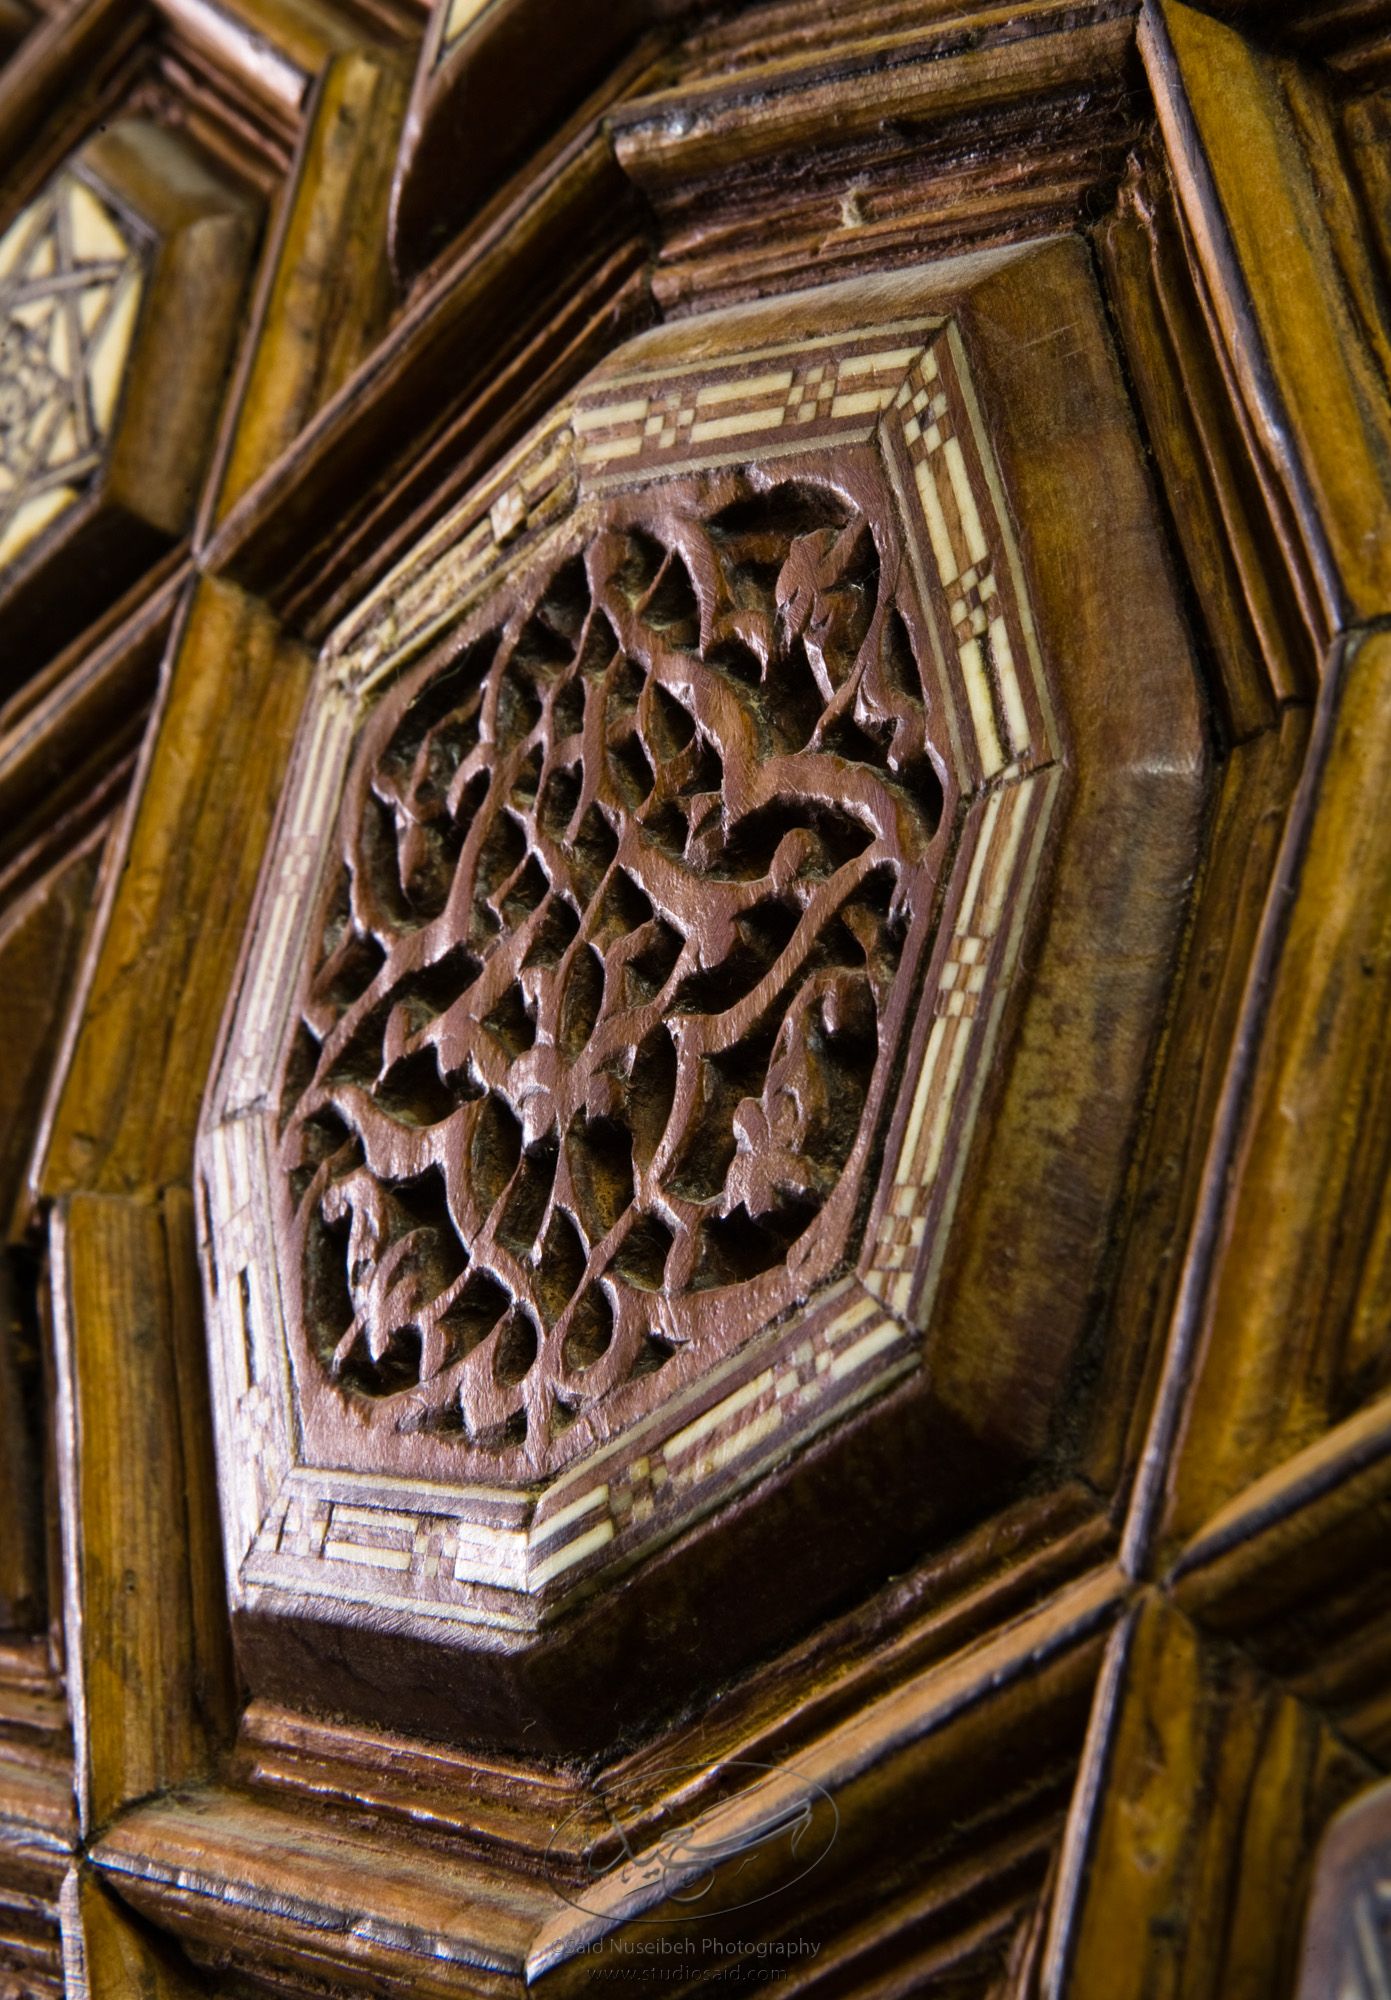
[[1064, 1602]]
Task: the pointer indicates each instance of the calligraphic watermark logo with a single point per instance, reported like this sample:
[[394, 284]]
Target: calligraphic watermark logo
[[642, 1859]]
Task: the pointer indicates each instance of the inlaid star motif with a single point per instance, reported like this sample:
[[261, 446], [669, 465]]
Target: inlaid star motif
[[71, 277]]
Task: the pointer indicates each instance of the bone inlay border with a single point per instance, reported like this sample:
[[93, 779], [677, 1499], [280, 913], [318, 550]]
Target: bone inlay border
[[481, 1555], [673, 1471]]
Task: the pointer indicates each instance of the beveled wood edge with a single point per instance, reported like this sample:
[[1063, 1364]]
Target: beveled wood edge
[[240, 546], [159, 1855], [75, 845], [930, 72], [1310, 1498], [170, 625], [888, 1735], [1335, 461], [296, 209], [276, 50], [58, 48], [951, 1601], [1199, 1769], [65, 687], [137, 1609], [204, 232], [1144, 1525], [1203, 450], [472, 291], [460, 72], [1243, 1403], [106, 1951]]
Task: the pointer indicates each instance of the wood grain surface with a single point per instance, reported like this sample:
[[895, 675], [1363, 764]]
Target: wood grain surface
[[693, 954]]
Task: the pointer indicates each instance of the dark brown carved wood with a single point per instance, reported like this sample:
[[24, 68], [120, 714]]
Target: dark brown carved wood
[[647, 851], [693, 959]]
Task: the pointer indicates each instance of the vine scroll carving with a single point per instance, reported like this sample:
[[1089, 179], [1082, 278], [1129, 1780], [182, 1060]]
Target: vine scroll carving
[[594, 1053]]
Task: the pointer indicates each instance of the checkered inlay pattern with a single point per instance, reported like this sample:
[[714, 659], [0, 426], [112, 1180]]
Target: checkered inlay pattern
[[949, 1065], [624, 426], [469, 549], [962, 978], [819, 1364], [964, 540]]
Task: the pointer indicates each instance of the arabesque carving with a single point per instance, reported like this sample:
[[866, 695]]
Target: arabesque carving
[[592, 1055]]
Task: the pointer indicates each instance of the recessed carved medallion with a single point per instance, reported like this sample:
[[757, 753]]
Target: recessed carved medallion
[[594, 1057], [641, 973]]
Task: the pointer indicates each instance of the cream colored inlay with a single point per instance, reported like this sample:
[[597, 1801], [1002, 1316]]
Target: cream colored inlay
[[462, 15], [70, 289]]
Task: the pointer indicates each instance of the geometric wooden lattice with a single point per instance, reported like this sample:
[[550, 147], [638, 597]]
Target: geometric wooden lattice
[[71, 279]]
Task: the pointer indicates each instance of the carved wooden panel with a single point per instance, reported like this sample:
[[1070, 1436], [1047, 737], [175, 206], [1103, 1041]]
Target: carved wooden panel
[[663, 849], [692, 768]]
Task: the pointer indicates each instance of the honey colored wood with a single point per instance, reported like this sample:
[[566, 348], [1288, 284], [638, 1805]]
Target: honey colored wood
[[326, 293], [1216, 1786], [105, 1951], [1248, 816], [1293, 1566], [1070, 1071], [188, 864], [1218, 508], [144, 1691], [1237, 127], [39, 949], [924, 1619], [439, 376], [1308, 1176], [1081, 1627]]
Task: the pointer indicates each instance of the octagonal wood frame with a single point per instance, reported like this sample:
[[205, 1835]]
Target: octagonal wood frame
[[410, 1563]]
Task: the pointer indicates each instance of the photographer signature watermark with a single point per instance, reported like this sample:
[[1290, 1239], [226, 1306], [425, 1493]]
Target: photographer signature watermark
[[772, 1834]]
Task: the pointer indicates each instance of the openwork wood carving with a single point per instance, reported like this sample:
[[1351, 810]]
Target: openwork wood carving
[[597, 1049], [779, 1187], [631, 977]]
